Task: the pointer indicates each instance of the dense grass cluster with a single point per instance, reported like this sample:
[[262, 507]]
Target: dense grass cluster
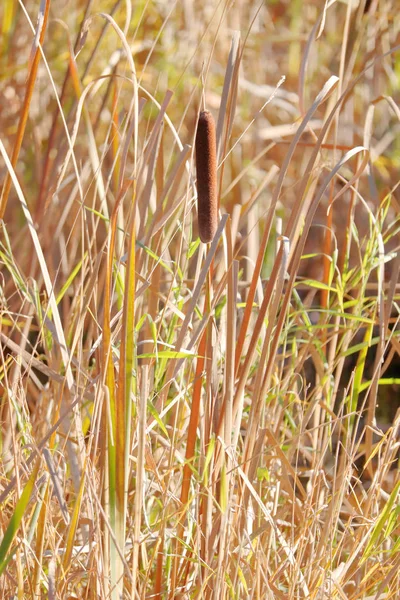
[[199, 300]]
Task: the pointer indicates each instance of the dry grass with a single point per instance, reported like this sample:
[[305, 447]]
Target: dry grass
[[181, 420]]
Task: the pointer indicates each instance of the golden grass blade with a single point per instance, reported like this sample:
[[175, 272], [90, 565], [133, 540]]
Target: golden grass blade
[[230, 67], [69, 545], [237, 424]]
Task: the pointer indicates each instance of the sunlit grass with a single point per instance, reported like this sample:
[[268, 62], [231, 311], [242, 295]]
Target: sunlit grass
[[189, 420]]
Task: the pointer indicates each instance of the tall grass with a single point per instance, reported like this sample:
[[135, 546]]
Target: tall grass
[[199, 420]]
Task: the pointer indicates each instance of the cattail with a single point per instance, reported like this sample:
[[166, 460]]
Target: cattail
[[206, 166]]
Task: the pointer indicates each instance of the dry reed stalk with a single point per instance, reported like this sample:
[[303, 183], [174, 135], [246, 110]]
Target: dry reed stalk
[[206, 166]]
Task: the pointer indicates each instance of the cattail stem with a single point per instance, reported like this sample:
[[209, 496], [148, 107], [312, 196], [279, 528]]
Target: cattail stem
[[206, 166]]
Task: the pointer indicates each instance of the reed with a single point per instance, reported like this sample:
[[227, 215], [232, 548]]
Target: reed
[[204, 412]]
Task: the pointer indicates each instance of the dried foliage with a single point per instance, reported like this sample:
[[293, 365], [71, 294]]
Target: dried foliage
[[182, 420]]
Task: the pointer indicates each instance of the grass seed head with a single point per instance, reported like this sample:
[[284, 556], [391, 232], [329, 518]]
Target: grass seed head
[[206, 166]]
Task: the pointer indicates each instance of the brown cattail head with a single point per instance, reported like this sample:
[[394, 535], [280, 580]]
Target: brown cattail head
[[206, 166]]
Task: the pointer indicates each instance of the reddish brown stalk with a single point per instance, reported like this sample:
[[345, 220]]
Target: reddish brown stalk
[[159, 567], [187, 472], [192, 430], [25, 110], [176, 579], [206, 166]]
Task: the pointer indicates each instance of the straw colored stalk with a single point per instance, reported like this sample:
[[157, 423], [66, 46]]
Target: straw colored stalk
[[206, 166]]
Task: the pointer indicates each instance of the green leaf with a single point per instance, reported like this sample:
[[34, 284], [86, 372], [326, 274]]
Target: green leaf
[[383, 519], [140, 322], [209, 455], [156, 417], [224, 489], [70, 279], [193, 247], [317, 284], [16, 519]]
